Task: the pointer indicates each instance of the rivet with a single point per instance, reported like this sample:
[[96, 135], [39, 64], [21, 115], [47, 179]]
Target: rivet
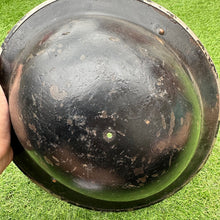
[[109, 135], [161, 31]]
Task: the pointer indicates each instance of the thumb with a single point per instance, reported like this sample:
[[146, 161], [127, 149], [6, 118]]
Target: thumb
[[6, 153], [4, 119]]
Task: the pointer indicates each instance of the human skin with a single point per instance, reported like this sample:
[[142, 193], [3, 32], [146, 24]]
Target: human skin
[[6, 153]]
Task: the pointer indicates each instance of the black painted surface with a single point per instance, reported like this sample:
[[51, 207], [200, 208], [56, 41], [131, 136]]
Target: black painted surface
[[108, 114]]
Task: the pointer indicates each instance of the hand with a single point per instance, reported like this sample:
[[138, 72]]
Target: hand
[[6, 153]]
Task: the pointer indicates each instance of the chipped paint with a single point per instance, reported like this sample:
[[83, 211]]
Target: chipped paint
[[163, 145], [83, 57], [158, 134], [147, 122], [181, 121], [103, 114], [160, 40], [138, 171], [57, 94], [70, 122], [48, 161], [121, 133], [114, 39], [172, 123], [164, 125], [32, 127], [56, 159]]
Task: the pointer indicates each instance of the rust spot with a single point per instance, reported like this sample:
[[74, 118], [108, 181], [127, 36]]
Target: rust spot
[[54, 180]]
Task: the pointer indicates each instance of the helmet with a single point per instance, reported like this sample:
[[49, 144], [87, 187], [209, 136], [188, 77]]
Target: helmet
[[111, 109]]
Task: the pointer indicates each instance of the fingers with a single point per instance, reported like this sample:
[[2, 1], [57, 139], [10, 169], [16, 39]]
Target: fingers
[[6, 153], [6, 159], [4, 119]]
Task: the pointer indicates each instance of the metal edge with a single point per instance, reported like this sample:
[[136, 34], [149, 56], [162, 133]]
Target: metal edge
[[203, 49], [148, 2], [214, 71], [175, 18], [185, 27], [24, 18]]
